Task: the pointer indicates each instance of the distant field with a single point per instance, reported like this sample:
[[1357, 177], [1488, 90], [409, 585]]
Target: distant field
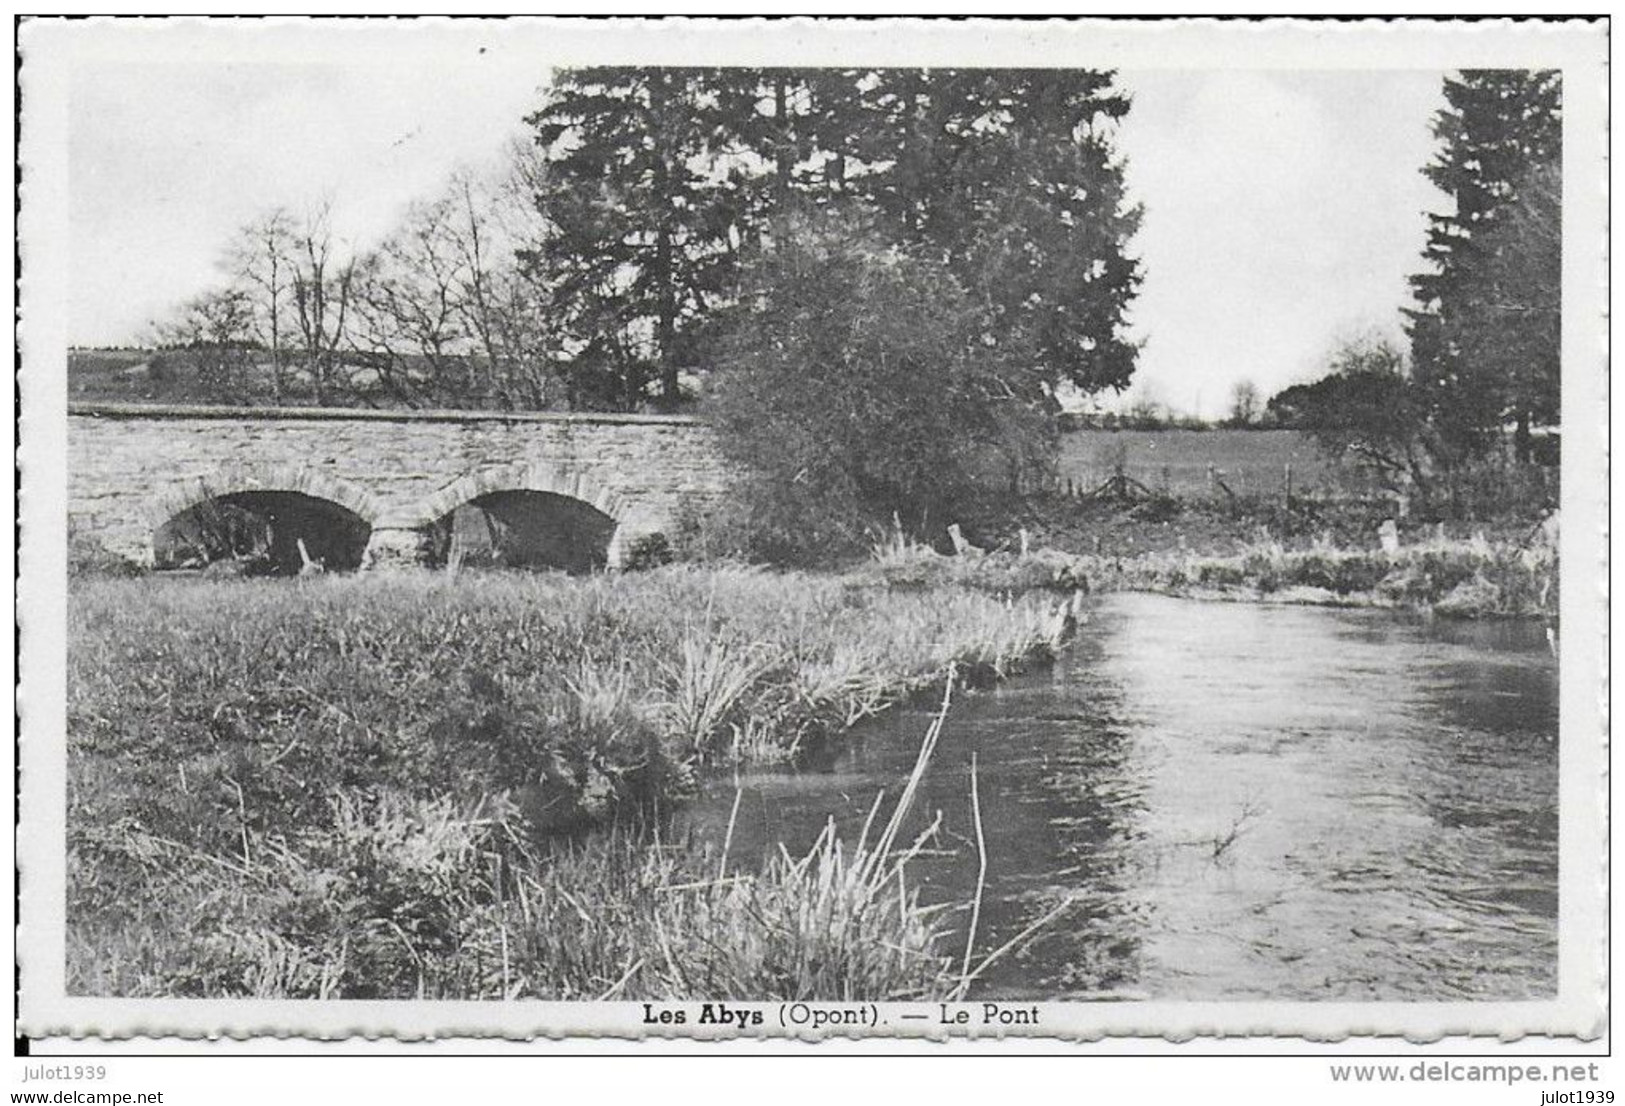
[[108, 374], [1250, 462], [154, 376]]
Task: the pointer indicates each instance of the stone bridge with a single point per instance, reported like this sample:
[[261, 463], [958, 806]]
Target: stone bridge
[[387, 478]]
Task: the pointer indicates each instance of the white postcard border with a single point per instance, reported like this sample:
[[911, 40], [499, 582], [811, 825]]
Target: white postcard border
[[49, 51]]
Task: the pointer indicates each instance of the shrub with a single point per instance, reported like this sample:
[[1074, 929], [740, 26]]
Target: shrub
[[1340, 572], [87, 556], [859, 381], [649, 551]]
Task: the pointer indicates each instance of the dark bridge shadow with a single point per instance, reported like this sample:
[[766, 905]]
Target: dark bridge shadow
[[263, 533], [523, 529]]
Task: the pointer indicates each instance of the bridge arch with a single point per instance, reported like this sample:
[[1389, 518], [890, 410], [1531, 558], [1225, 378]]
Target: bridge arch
[[552, 479], [275, 516], [184, 494], [537, 515]]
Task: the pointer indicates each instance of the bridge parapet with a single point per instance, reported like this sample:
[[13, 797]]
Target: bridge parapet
[[146, 412], [132, 467]]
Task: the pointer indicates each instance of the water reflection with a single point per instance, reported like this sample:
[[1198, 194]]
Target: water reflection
[[1241, 801]]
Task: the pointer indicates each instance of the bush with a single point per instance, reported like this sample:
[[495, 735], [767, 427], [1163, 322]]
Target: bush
[[766, 524], [1491, 489], [1336, 572], [87, 556], [857, 380], [649, 551]]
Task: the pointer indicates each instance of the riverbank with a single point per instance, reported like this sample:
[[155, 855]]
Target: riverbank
[[373, 786], [1472, 577]]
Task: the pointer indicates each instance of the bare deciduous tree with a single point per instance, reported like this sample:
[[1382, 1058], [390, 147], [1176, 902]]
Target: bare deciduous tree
[[216, 329], [443, 312], [322, 279], [439, 312], [297, 280], [1243, 404], [261, 258]]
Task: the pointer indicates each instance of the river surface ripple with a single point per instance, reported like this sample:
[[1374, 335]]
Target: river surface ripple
[[1241, 801]]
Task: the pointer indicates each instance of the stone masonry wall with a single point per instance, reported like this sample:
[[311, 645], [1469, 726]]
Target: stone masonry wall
[[132, 468]]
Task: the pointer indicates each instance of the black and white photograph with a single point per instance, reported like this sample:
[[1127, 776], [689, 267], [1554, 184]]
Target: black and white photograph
[[693, 530]]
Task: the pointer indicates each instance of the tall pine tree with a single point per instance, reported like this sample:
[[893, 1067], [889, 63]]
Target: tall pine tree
[[637, 245], [1482, 359]]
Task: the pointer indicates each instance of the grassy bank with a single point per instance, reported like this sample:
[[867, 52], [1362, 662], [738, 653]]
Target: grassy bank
[[365, 787], [397, 896], [1474, 577]]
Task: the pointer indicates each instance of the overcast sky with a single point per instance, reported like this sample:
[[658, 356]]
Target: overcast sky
[[1283, 208]]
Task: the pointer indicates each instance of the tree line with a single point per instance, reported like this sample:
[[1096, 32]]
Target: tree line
[[604, 265]]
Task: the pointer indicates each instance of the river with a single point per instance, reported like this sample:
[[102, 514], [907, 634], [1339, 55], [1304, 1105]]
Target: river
[[1240, 801]]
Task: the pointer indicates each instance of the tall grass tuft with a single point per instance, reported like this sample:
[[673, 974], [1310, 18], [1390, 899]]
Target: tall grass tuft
[[708, 682]]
